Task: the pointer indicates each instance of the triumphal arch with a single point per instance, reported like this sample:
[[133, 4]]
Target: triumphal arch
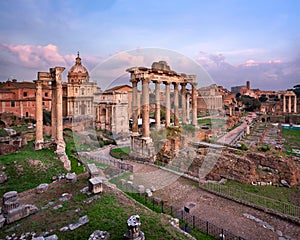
[[159, 74]]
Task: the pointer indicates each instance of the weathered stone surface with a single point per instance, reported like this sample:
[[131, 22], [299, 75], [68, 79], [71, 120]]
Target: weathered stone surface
[[248, 168], [2, 221], [3, 177], [95, 185], [133, 229], [141, 189], [20, 212], [93, 170], [52, 237], [71, 177], [148, 192], [42, 188], [65, 197], [83, 220], [99, 235]]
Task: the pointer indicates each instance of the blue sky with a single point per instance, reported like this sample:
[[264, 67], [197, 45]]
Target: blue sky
[[232, 40]]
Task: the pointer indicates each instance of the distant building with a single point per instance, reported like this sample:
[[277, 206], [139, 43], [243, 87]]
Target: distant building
[[18, 98], [209, 99], [78, 92]]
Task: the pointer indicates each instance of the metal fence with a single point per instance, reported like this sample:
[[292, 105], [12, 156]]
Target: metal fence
[[188, 221], [265, 202]]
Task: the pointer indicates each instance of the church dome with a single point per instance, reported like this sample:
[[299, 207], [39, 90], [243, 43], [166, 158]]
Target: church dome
[[78, 73]]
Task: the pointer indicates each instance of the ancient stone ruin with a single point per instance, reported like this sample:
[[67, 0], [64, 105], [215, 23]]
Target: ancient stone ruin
[[13, 210], [133, 229], [103, 235]]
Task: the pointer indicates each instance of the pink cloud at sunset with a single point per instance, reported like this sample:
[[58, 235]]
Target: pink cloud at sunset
[[36, 56]]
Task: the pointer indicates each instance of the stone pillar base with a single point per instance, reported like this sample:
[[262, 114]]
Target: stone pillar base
[[39, 145], [142, 149], [141, 236]]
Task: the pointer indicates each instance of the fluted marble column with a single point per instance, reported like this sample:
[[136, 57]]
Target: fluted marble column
[[145, 109], [157, 105], [183, 102], [168, 104], [284, 104], [39, 139], [176, 101], [194, 104]]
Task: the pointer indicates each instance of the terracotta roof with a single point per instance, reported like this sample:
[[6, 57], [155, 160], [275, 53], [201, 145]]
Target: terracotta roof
[[116, 88]]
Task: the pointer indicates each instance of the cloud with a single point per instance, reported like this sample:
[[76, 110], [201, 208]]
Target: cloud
[[36, 56], [272, 74]]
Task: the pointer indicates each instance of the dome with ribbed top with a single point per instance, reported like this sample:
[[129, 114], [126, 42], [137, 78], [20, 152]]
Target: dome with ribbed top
[[78, 73]]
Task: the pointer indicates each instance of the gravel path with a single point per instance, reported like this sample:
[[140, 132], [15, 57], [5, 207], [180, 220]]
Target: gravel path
[[219, 211]]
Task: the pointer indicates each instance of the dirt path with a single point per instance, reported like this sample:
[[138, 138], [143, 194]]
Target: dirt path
[[219, 211]]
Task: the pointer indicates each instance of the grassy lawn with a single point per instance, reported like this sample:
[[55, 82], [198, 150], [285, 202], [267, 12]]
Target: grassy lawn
[[108, 213], [215, 122], [27, 168], [292, 137], [279, 193], [120, 153]]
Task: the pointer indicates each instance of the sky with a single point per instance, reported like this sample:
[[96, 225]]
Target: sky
[[232, 40]]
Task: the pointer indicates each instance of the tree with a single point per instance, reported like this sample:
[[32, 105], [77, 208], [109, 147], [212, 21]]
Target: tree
[[251, 104]]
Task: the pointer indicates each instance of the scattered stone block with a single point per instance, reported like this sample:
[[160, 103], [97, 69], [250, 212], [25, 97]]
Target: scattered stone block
[[42, 188], [141, 189], [284, 183], [57, 207], [123, 182], [85, 190], [3, 177], [103, 235], [131, 177], [63, 229], [83, 220], [279, 233], [93, 170], [65, 197], [95, 185], [20, 212], [153, 189], [91, 199], [2, 221], [71, 177], [52, 237], [148, 192]]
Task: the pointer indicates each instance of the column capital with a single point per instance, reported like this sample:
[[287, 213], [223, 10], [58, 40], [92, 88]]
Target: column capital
[[134, 80], [166, 83]]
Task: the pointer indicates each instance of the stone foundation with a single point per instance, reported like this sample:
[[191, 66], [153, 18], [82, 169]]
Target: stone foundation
[[142, 149]]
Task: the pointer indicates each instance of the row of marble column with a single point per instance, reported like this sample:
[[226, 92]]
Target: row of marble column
[[289, 104], [56, 109], [145, 105]]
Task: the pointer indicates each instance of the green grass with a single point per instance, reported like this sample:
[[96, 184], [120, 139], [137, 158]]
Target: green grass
[[292, 137], [120, 153], [108, 213], [269, 196], [214, 122], [3, 133], [27, 168]]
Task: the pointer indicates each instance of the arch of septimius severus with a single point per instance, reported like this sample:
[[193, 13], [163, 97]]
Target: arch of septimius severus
[[53, 76], [159, 73]]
